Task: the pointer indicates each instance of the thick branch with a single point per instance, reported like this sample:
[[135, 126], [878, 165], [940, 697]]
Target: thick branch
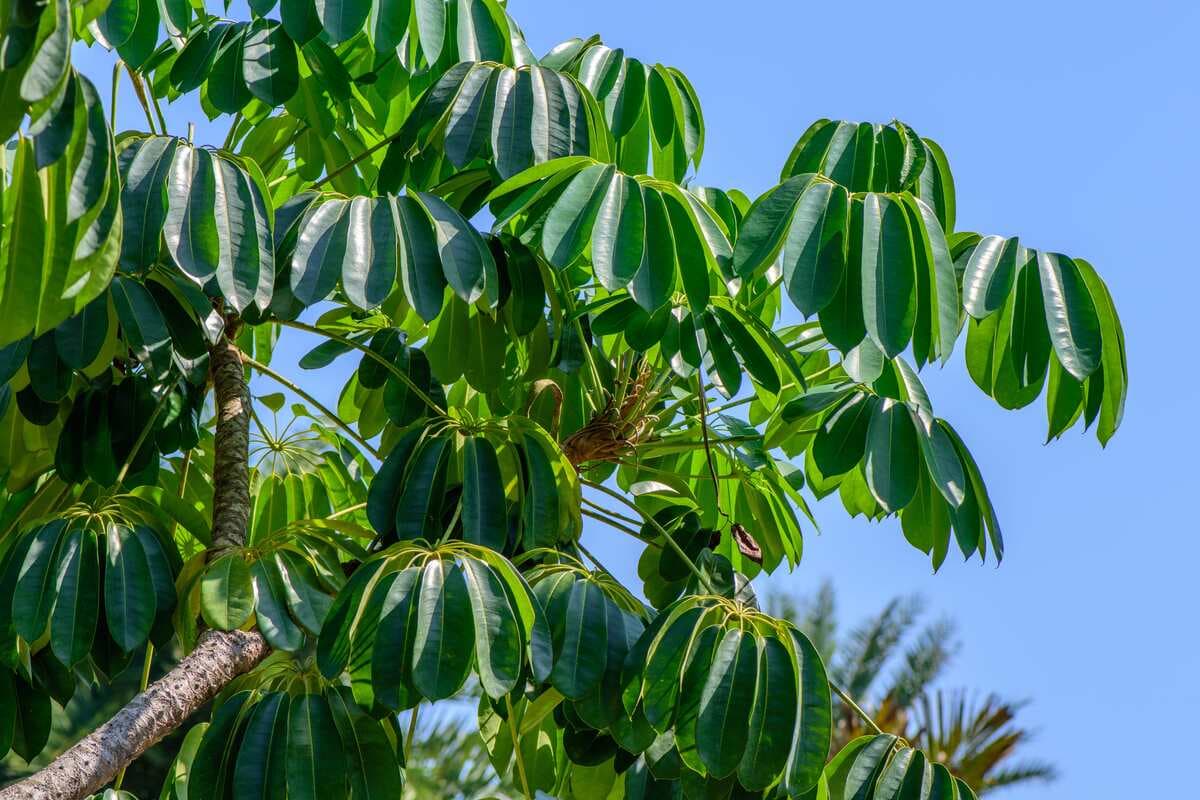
[[219, 657], [231, 450]]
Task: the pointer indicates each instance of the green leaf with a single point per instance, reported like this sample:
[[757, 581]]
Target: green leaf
[[941, 459], [852, 776], [772, 718], [24, 237], [420, 264], [190, 227], [145, 169], [342, 18], [212, 767], [269, 64], [484, 511], [814, 253], [468, 123], [431, 27], [300, 19], [226, 85], [568, 225], [226, 593], [664, 666], [32, 720], [118, 21], [654, 281], [720, 362], [842, 438], [512, 143], [387, 23], [766, 226], [33, 597], [618, 235], [142, 323], [315, 767], [260, 771], [888, 274], [540, 507], [369, 269], [814, 723], [722, 729], [466, 261], [891, 780], [1071, 315], [392, 661], [77, 602], [444, 645], [348, 611], [1112, 357], [383, 495], [321, 250], [371, 762], [892, 455], [246, 267], [270, 607], [990, 273], [498, 641], [129, 599], [418, 514], [583, 654]]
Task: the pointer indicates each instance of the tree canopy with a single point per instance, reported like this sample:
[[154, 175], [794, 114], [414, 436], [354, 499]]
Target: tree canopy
[[554, 321]]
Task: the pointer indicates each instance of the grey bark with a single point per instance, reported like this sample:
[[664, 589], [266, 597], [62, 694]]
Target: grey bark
[[219, 657]]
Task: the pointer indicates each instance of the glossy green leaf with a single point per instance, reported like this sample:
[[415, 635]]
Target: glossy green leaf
[[618, 235], [270, 607], [484, 511], [444, 645], [1071, 315], [498, 640], [33, 595], [260, 771], [540, 507], [227, 593], [466, 261], [841, 440], [129, 599], [772, 718], [766, 226], [391, 664], [990, 273], [418, 511], [892, 455], [269, 64], [581, 660], [814, 252], [722, 729], [314, 768], [77, 602], [888, 274]]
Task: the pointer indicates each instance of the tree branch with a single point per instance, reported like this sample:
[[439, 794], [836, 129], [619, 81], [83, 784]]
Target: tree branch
[[231, 447], [219, 656], [88, 766]]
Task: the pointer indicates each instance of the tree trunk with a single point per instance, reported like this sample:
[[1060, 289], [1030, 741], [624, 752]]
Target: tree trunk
[[219, 657]]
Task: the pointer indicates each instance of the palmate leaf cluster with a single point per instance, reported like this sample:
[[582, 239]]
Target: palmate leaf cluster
[[554, 322]]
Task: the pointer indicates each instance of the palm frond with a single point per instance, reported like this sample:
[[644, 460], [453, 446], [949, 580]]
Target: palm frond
[[923, 662], [976, 738], [873, 643]]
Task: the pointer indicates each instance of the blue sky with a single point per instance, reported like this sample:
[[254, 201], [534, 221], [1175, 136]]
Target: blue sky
[[1074, 125]]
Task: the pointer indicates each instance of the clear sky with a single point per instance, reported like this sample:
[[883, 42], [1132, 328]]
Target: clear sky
[[1073, 124]]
